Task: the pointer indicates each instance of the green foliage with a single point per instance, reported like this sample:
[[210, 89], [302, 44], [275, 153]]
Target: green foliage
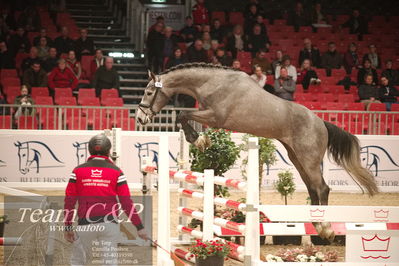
[[285, 184], [267, 154], [4, 219], [205, 249], [220, 156]]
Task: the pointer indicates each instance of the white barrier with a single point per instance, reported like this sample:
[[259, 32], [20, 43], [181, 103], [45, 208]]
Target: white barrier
[[207, 180]]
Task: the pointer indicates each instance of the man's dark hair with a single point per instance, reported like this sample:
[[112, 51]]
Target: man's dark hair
[[36, 62]]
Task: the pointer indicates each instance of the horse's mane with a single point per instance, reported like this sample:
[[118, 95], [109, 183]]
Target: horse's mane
[[197, 65]]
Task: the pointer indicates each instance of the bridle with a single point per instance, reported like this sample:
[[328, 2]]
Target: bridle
[[158, 87]]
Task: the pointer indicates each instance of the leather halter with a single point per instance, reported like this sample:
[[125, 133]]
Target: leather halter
[[158, 87]]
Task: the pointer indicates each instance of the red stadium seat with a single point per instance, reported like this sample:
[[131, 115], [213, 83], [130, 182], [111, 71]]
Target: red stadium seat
[[221, 15], [61, 93], [39, 91], [335, 89], [44, 100], [325, 97], [356, 107], [354, 128], [303, 97], [126, 123], [11, 95], [312, 105], [379, 107], [10, 81], [85, 93], [395, 107], [236, 18], [346, 98], [314, 89], [5, 122], [109, 93], [8, 73], [86, 62], [77, 123], [13, 90], [27, 122]]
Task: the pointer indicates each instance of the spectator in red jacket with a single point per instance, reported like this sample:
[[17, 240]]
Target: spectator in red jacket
[[62, 77], [351, 59], [200, 13], [97, 62]]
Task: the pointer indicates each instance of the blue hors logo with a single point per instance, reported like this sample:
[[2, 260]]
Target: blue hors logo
[[371, 157], [81, 151], [281, 157], [3, 163], [148, 149], [36, 155]]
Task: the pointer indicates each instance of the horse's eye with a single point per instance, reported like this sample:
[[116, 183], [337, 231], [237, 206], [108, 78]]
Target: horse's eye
[[23, 155], [149, 93]]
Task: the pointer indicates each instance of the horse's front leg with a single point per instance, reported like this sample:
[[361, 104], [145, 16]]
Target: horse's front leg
[[203, 117]]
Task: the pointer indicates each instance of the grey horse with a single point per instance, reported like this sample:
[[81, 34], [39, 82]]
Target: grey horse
[[231, 100]]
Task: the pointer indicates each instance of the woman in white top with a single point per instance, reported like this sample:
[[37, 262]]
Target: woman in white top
[[286, 62], [259, 76]]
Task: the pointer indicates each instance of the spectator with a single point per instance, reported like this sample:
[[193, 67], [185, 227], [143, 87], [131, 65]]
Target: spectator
[[250, 18], [8, 18], [284, 85], [318, 16], [307, 75], [4, 29], [19, 42], [84, 45], [159, 19], [74, 65], [35, 76], [25, 101], [236, 65], [309, 52], [170, 42], [257, 40], [189, 31], [43, 33], [217, 32], [206, 40], [387, 93], [291, 70], [52, 60], [155, 41], [43, 49], [33, 57], [373, 57], [222, 58], [261, 61], [260, 22], [367, 70], [200, 13], [259, 76], [391, 74], [106, 77], [298, 17], [7, 60], [278, 60], [196, 53], [357, 24], [259, 8], [177, 59], [212, 51], [351, 59], [29, 19], [61, 77], [236, 42], [205, 28], [368, 93], [63, 43], [97, 62], [331, 59]]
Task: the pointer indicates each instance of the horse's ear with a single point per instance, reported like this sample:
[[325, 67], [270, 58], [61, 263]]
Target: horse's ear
[[151, 75], [17, 144]]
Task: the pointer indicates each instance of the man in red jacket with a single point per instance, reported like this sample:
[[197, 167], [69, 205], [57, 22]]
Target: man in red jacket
[[96, 185], [62, 77], [200, 13]]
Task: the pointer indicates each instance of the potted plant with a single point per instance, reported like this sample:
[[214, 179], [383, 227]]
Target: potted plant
[[3, 222], [219, 156], [285, 186], [211, 252]]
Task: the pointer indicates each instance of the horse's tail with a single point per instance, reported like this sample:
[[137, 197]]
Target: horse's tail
[[345, 150]]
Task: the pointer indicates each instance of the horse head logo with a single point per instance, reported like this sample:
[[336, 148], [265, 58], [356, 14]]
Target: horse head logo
[[36, 155], [3, 163], [371, 156], [81, 151], [147, 149], [279, 157]]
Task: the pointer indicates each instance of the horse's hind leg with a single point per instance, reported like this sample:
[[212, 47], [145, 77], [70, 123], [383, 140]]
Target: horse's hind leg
[[310, 171]]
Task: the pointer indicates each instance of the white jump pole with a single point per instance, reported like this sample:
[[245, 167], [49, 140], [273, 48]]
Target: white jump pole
[[252, 243], [208, 205], [163, 258]]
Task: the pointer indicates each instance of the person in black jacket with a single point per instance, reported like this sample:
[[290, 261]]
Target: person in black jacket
[[368, 93], [391, 74], [257, 40], [196, 52], [306, 75], [236, 42], [43, 33], [155, 43], [387, 93], [19, 42], [309, 52], [357, 24], [63, 43], [7, 60], [84, 45], [177, 59], [367, 70]]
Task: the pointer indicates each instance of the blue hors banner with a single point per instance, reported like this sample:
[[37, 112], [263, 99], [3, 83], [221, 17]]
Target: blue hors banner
[[50, 156]]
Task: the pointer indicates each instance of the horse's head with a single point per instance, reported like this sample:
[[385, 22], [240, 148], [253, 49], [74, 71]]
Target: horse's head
[[154, 99], [81, 151], [23, 155]]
